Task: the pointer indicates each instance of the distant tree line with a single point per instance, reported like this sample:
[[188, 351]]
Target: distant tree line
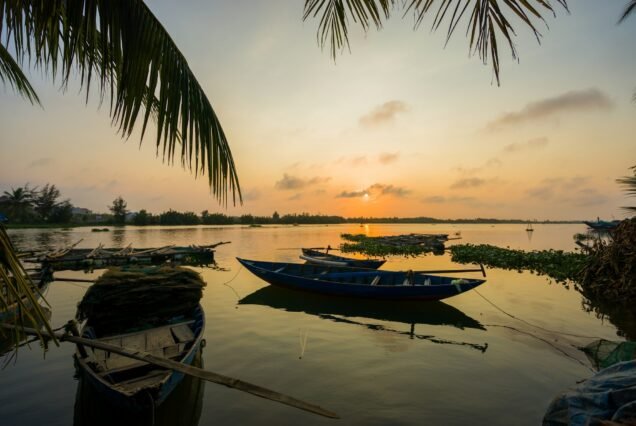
[[35, 205]]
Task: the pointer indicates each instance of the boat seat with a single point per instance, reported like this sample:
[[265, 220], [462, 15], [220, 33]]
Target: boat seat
[[281, 269], [376, 280]]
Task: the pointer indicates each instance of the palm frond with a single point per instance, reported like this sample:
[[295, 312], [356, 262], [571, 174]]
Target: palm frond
[[631, 6], [11, 74], [629, 185], [120, 46], [488, 20]]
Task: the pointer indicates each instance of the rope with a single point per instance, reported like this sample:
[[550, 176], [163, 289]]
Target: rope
[[533, 325], [227, 283]]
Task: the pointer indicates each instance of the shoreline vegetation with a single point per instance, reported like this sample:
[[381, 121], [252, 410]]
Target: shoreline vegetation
[[175, 218]]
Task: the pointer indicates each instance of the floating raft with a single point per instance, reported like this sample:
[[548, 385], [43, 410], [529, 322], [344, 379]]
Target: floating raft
[[73, 258], [408, 244]]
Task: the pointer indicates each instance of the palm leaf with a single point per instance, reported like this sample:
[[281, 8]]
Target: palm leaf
[[11, 73], [487, 21], [121, 47], [631, 6], [629, 185]]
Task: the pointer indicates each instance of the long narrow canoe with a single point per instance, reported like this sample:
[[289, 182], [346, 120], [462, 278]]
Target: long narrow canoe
[[134, 384], [326, 259], [358, 282], [602, 225]]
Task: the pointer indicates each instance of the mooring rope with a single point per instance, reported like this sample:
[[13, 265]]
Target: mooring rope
[[227, 283], [533, 325]]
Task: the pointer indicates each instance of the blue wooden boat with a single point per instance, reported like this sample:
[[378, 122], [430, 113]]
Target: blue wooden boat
[[602, 225], [326, 259], [358, 282], [134, 384]]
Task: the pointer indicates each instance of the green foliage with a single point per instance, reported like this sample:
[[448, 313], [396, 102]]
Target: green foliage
[[120, 47], [383, 246], [143, 218], [61, 213], [557, 264], [118, 209], [172, 217]]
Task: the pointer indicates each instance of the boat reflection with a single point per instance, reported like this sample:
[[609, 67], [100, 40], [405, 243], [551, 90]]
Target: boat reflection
[[344, 310], [181, 408]]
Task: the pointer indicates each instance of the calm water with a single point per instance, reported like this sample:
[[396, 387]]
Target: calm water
[[458, 362]]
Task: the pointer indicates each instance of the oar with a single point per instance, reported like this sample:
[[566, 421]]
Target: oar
[[73, 280], [187, 369], [443, 271], [309, 248]]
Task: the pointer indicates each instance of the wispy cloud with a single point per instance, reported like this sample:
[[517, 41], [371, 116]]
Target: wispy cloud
[[384, 113], [440, 199], [295, 197], [289, 182], [251, 195], [375, 191], [41, 162], [574, 190], [532, 144], [388, 157], [574, 101], [472, 182]]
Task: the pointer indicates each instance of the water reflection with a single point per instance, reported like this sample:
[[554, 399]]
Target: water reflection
[[622, 317], [344, 310], [181, 408], [118, 236], [8, 338]]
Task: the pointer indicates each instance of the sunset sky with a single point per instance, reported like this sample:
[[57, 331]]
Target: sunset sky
[[401, 126]]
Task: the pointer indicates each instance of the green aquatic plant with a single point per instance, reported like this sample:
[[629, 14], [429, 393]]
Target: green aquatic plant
[[559, 265]]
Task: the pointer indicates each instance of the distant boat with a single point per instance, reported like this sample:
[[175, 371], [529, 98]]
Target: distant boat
[[529, 227], [326, 259], [358, 282], [134, 384], [602, 225]]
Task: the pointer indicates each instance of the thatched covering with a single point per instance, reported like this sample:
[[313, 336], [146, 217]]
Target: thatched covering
[[125, 299], [610, 272]]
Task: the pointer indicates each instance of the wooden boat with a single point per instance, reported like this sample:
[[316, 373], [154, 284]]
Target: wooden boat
[[326, 259], [135, 384], [359, 282], [529, 228], [602, 225]]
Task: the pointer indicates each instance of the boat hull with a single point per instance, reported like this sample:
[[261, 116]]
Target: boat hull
[[144, 398], [313, 282], [325, 259]]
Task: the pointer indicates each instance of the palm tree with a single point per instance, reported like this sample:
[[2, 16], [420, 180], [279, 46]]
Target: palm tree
[[19, 202]]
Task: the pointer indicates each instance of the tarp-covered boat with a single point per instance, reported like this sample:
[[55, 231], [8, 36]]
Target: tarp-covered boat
[[358, 282], [326, 259]]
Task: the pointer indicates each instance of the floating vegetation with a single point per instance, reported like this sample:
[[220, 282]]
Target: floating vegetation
[[609, 273], [557, 264], [400, 245]]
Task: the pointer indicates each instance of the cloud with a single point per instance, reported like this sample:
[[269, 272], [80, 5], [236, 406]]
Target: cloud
[[295, 197], [289, 182], [384, 113], [532, 144], [473, 182], [353, 161], [440, 199], [491, 163], [388, 157], [574, 101], [41, 162], [574, 190], [251, 195], [375, 191]]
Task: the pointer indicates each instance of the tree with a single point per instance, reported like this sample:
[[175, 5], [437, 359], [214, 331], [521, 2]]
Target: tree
[[275, 217], [61, 213], [118, 209], [18, 203], [142, 218], [120, 47], [45, 201], [487, 21]]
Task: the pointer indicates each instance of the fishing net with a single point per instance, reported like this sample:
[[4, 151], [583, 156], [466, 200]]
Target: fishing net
[[124, 299], [605, 353]]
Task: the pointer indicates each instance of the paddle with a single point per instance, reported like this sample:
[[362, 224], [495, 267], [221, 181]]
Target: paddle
[[186, 369], [310, 248]]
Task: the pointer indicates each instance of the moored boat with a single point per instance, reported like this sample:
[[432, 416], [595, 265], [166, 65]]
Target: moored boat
[[358, 282], [326, 259], [602, 225], [135, 384]]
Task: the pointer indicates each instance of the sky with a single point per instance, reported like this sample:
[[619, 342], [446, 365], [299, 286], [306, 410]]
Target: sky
[[399, 126]]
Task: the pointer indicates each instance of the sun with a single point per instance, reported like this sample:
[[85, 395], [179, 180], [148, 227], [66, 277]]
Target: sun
[[365, 197]]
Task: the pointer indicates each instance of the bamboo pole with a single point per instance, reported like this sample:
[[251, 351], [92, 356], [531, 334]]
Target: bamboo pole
[[189, 370]]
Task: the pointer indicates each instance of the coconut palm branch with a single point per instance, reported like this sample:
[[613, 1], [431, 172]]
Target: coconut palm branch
[[631, 6], [121, 47], [488, 21], [629, 184]]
